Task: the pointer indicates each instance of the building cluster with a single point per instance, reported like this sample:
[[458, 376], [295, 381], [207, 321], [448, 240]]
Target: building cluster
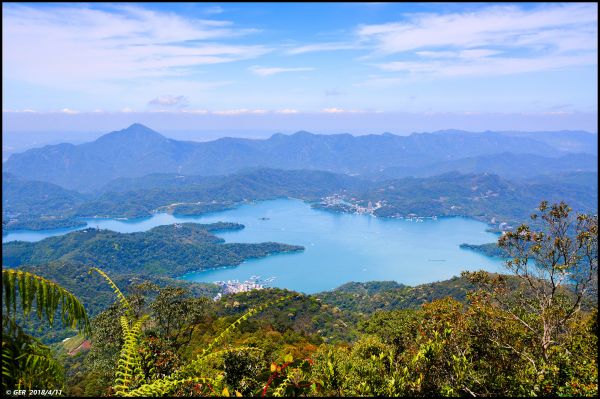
[[235, 286], [502, 226], [337, 200]]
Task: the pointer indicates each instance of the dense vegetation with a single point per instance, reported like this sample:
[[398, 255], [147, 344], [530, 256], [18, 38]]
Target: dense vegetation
[[26, 362], [531, 333], [37, 205], [170, 250]]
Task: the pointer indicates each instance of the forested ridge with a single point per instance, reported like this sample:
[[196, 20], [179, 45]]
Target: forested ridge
[[29, 204]]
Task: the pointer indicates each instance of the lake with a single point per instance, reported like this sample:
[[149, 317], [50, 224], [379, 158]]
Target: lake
[[339, 247]]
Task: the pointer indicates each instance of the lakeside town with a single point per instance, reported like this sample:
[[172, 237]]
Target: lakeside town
[[338, 203], [235, 286]]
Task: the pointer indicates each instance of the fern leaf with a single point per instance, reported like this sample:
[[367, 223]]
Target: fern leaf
[[165, 386], [47, 295], [117, 291], [239, 321]]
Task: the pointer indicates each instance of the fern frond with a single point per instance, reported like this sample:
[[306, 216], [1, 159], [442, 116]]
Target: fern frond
[[124, 302], [129, 370], [47, 295], [239, 321], [280, 390], [165, 386], [26, 362]]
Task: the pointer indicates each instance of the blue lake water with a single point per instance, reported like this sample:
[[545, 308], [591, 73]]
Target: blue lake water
[[339, 247]]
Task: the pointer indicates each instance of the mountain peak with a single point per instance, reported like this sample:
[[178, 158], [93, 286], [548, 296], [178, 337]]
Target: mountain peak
[[139, 128], [137, 131], [303, 133], [137, 124]]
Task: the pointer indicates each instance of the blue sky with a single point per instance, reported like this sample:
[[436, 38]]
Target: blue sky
[[215, 62]]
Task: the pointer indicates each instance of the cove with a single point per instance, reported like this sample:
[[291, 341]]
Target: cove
[[338, 247]]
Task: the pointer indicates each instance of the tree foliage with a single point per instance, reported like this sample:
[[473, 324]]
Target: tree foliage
[[130, 377], [26, 362]]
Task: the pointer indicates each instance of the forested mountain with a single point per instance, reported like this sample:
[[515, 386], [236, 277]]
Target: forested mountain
[[565, 140], [138, 151], [170, 250], [506, 164], [37, 204], [36, 197], [481, 196]]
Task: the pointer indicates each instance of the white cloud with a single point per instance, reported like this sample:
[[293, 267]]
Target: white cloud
[[127, 110], [495, 40], [335, 110], [309, 48], [465, 54], [264, 71], [74, 47], [287, 111], [170, 101], [240, 111], [567, 27], [436, 54], [16, 111], [195, 111], [68, 111], [485, 66], [332, 110]]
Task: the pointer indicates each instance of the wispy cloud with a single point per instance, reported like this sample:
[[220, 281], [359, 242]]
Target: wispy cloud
[[484, 66], [195, 111], [170, 101], [565, 27], [496, 40], [240, 112], [127, 42], [266, 71], [214, 10], [335, 110], [16, 111], [464, 54], [309, 48], [68, 111]]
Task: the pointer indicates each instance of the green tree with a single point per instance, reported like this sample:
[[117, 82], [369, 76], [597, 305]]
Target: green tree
[[136, 374], [26, 362], [555, 280]]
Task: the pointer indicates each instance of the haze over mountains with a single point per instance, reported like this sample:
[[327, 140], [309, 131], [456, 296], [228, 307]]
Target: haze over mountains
[[138, 151]]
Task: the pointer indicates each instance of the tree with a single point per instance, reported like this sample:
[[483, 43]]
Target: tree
[[177, 315], [555, 277], [135, 378], [26, 362]]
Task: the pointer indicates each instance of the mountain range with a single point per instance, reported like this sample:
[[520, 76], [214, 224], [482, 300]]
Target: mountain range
[[138, 151]]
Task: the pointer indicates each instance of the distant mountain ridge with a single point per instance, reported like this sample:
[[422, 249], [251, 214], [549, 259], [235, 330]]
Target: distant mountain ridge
[[506, 164], [138, 151]]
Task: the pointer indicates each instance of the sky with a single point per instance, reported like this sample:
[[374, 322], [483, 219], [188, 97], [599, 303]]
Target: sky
[[324, 67]]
